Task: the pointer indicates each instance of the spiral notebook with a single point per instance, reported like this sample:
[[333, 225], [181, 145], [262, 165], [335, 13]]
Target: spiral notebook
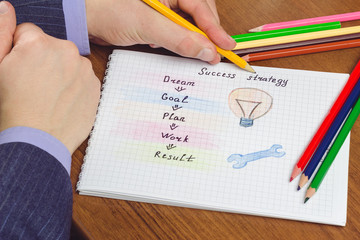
[[177, 131]]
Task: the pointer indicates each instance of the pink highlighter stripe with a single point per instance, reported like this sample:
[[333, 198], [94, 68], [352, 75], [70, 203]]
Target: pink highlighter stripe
[[296, 23]]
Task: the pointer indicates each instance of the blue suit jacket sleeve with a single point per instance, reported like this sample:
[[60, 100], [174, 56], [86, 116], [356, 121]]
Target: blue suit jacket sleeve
[[47, 14], [35, 195]]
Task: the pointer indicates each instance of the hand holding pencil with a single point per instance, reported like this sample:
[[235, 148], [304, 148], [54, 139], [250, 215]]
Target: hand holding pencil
[[171, 15], [126, 23]]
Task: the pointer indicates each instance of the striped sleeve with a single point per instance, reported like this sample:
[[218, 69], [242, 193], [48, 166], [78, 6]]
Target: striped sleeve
[[35, 194], [47, 14]]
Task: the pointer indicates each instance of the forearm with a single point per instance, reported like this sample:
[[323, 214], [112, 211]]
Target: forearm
[[35, 196], [48, 100]]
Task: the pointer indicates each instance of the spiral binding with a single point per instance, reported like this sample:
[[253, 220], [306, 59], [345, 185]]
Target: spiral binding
[[93, 131]]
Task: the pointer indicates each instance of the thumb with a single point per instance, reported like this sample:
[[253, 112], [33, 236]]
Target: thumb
[[7, 28]]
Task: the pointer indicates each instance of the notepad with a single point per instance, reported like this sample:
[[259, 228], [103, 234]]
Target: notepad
[[181, 132]]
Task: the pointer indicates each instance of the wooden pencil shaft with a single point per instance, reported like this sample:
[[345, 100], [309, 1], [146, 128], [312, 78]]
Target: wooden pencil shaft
[[331, 134], [320, 133], [301, 22], [297, 37], [297, 44], [184, 23], [303, 50], [286, 31], [321, 173]]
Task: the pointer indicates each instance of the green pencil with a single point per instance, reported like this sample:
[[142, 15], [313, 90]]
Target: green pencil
[[286, 31], [320, 175]]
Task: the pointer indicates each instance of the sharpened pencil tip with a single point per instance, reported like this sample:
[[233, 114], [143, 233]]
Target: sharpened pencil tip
[[298, 188], [306, 199], [257, 29], [246, 57], [291, 179], [249, 68]]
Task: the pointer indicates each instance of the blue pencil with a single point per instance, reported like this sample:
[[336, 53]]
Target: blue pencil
[[330, 135]]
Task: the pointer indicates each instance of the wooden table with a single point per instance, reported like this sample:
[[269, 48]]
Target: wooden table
[[101, 218]]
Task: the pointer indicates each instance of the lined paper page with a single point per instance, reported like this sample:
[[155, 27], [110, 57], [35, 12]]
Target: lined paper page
[[182, 132]]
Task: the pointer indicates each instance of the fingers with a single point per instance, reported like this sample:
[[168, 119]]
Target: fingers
[[46, 84], [160, 31], [212, 6], [205, 15], [165, 33], [26, 32], [7, 28], [29, 39]]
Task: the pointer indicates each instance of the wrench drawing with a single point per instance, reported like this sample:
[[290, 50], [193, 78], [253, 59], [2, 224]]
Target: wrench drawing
[[242, 160]]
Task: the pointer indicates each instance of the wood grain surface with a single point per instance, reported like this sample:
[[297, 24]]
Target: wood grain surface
[[102, 218]]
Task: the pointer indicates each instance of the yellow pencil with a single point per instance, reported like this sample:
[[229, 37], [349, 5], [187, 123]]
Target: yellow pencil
[[161, 8], [297, 37]]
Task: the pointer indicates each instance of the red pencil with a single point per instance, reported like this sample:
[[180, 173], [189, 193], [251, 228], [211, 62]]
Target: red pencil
[[304, 159]]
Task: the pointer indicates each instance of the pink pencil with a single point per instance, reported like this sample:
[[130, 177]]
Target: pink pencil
[[296, 23]]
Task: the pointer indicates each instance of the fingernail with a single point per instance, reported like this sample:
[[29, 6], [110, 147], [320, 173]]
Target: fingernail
[[154, 46], [206, 55], [230, 38], [3, 7]]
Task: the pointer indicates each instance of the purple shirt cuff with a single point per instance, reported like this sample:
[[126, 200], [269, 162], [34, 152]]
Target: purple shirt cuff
[[76, 27], [40, 139]]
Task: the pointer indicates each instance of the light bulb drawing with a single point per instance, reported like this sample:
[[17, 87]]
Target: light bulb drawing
[[249, 104]]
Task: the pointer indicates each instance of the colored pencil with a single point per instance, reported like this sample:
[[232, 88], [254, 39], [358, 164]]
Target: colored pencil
[[302, 22], [286, 31], [161, 8], [304, 159], [302, 50], [242, 52], [321, 173], [297, 37], [330, 135]]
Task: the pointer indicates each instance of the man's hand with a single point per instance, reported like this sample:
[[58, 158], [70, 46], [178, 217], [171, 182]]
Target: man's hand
[[129, 22], [7, 28], [46, 84]]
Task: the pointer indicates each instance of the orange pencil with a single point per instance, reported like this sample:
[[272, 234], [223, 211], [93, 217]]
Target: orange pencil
[[301, 50]]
